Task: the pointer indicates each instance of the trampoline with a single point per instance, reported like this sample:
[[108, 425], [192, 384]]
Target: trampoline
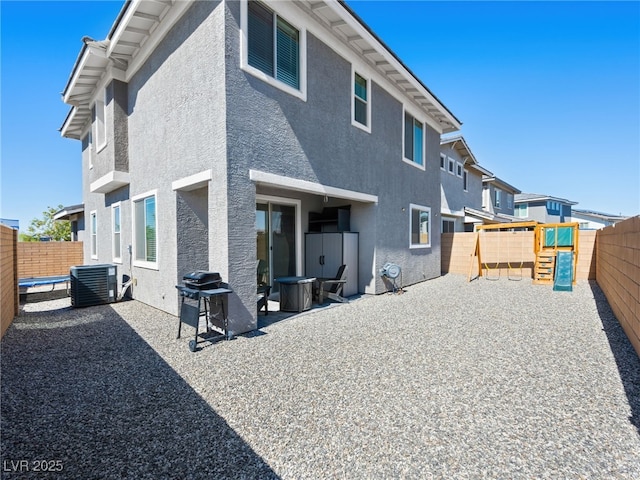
[[25, 283]]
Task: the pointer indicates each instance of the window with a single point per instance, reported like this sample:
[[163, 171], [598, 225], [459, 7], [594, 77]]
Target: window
[[459, 169], [144, 230], [498, 198], [553, 207], [509, 200], [420, 227], [99, 126], [448, 226], [465, 180], [413, 140], [443, 162], [117, 244], [521, 210], [274, 49], [452, 166], [93, 231], [361, 106]]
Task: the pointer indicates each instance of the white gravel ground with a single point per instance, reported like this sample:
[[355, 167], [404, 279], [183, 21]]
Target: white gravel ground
[[448, 380]]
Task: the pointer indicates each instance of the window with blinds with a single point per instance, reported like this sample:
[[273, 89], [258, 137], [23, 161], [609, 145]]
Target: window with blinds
[[273, 45], [145, 229], [360, 100], [413, 139]]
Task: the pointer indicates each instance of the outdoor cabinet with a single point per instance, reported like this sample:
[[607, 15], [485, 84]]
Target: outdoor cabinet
[[325, 252]]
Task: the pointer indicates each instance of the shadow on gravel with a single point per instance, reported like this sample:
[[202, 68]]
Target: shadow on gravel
[[80, 387], [626, 357]]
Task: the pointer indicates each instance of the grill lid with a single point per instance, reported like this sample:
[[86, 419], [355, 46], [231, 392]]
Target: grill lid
[[201, 277]]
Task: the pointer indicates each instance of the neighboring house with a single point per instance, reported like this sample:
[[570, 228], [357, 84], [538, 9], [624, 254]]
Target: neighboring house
[[75, 215], [590, 220], [543, 208], [460, 186], [15, 224], [213, 131], [498, 198]]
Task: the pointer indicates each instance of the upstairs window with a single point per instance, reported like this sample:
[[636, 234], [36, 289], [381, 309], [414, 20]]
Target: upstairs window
[[459, 169], [413, 140], [465, 180], [443, 162], [99, 126], [273, 45], [521, 210], [498, 198], [451, 167], [509, 200], [361, 106]]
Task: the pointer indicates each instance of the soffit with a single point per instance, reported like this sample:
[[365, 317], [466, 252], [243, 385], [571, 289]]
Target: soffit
[[345, 25], [135, 25]]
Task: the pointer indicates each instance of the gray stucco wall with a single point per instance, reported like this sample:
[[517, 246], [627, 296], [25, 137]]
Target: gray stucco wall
[[272, 131], [454, 197]]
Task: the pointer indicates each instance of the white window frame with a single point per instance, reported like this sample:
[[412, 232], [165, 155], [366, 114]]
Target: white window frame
[[497, 198], [99, 127], [354, 122], [443, 162], [244, 49], [114, 207], [93, 234], [459, 169], [451, 166], [134, 201], [517, 212], [413, 163], [421, 208], [465, 180]]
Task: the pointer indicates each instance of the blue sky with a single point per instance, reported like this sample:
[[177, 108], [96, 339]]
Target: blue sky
[[548, 92]]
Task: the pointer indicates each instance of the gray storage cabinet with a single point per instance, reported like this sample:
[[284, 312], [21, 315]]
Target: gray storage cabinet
[[325, 252]]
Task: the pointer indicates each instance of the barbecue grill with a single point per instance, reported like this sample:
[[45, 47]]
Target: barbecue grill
[[203, 294]]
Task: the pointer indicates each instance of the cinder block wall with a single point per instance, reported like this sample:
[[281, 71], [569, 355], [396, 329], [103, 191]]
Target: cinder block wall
[[43, 259], [499, 250], [618, 274], [8, 276]]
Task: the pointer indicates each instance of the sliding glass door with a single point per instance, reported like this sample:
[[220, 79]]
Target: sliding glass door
[[276, 241]]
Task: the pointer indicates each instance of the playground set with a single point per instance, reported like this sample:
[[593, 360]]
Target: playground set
[[554, 247]]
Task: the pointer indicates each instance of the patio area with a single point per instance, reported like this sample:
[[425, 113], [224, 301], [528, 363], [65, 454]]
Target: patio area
[[447, 380]]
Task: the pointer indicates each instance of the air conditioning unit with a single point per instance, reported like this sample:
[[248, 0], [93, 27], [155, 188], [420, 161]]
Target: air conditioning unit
[[93, 285]]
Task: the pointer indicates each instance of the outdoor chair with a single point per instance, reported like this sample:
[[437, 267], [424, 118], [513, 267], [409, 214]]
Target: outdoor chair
[[332, 287], [263, 290]]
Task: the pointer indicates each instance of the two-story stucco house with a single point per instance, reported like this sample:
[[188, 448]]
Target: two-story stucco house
[[461, 187], [213, 132], [498, 198], [543, 208], [592, 220]]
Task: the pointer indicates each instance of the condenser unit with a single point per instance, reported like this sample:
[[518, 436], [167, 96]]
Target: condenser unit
[[93, 285]]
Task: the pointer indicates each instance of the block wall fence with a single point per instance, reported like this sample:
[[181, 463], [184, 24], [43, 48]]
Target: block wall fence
[[44, 259], [8, 276], [618, 274]]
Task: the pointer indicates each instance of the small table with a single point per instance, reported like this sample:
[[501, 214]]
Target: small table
[[295, 293]]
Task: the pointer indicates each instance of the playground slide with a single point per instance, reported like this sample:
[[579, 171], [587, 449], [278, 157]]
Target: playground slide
[[564, 272]]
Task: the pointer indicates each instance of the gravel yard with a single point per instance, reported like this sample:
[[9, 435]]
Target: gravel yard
[[448, 380]]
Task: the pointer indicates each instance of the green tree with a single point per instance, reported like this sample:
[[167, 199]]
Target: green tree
[[57, 230]]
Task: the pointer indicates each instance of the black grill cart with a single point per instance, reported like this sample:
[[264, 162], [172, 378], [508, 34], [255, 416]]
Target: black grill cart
[[212, 304]]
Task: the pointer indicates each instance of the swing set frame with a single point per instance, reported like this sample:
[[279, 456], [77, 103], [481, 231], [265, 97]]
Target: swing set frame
[[477, 251]]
